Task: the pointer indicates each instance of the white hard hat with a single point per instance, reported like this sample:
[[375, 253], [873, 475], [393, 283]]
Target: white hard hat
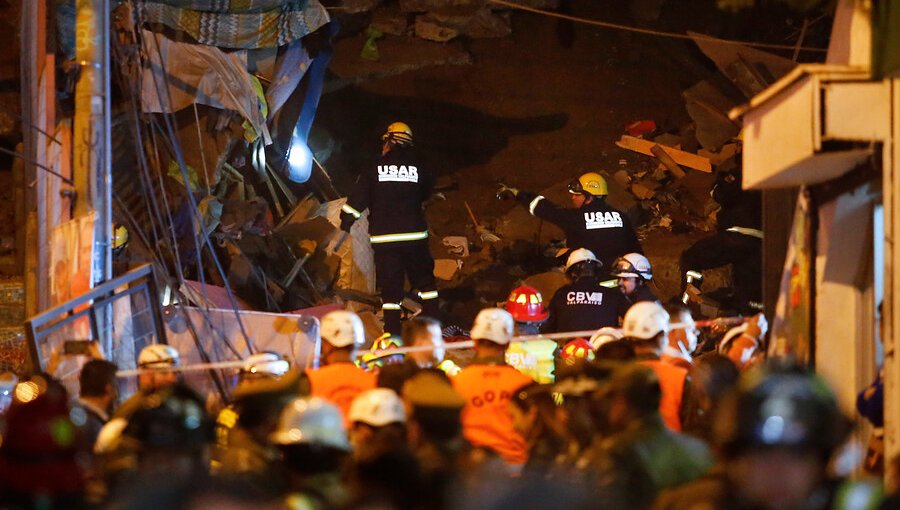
[[342, 328], [494, 324], [266, 364], [644, 320], [604, 336], [158, 356], [311, 420], [580, 255], [632, 265], [377, 407]]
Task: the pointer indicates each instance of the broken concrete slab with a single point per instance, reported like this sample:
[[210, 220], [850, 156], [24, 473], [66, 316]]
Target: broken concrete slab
[[483, 25], [719, 157], [724, 54], [457, 245], [428, 28], [390, 20], [709, 107], [398, 55], [687, 159]]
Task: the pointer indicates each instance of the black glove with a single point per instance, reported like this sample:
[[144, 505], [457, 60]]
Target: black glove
[[347, 221], [525, 197]]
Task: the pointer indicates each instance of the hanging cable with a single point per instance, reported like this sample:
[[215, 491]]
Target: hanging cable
[[647, 31]]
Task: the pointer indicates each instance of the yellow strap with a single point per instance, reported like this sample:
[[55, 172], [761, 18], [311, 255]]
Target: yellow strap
[[393, 238], [351, 211], [752, 232], [534, 204]]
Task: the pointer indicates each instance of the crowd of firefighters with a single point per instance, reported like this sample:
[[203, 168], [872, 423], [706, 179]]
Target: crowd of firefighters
[[642, 408]]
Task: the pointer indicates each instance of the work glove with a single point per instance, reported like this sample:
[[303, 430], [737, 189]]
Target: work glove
[[505, 192], [347, 221]]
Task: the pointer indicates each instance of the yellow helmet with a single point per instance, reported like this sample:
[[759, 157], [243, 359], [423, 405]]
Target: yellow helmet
[[120, 237], [591, 183], [399, 133]]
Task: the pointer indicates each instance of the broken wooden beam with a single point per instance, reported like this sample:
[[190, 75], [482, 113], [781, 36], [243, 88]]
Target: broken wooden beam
[[667, 161], [681, 157]]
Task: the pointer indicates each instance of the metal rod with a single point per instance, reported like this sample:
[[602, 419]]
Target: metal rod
[[38, 165]]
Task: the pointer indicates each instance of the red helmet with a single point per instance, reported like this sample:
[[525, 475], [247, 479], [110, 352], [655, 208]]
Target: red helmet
[[525, 304], [577, 349]]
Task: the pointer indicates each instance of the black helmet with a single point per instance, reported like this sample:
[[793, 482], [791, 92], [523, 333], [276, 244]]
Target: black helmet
[[780, 406]]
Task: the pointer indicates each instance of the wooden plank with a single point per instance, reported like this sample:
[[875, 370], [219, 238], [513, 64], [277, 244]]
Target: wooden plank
[[667, 161], [683, 158]]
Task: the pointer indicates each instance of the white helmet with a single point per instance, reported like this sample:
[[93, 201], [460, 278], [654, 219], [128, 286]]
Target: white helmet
[[644, 320], [632, 265], [267, 364], [604, 336], [342, 328], [580, 255], [494, 324], [378, 407], [311, 420], [158, 356]]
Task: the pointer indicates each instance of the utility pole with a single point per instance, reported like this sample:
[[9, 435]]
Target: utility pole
[[92, 153], [37, 91]]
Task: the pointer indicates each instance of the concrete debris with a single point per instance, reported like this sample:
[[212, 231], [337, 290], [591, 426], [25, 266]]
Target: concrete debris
[[457, 246], [724, 154], [446, 7], [708, 107], [445, 269], [428, 29], [482, 25], [389, 20], [623, 178], [357, 6]]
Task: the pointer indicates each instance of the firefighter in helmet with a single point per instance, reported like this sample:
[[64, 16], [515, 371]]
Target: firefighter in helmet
[[583, 304], [591, 223], [393, 190]]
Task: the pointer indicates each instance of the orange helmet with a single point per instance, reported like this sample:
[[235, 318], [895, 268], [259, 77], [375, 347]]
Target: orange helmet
[[525, 304], [578, 349]]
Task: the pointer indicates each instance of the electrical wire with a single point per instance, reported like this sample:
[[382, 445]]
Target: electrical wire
[[647, 31]]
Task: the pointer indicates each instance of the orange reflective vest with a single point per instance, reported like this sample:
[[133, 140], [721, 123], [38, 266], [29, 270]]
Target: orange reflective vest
[[671, 381], [486, 421], [339, 384]]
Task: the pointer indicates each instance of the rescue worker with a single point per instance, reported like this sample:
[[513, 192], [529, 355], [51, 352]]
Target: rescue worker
[[434, 434], [743, 344], [393, 191], [591, 223], [526, 305], [534, 417], [682, 340], [384, 473], [487, 385], [712, 377], [775, 436], [313, 441], [377, 422], [265, 386], [583, 304], [339, 380], [375, 359], [642, 456], [633, 272], [535, 358], [154, 360], [426, 332], [646, 326], [738, 242]]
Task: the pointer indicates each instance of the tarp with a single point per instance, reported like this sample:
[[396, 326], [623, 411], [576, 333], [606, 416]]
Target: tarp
[[278, 26], [176, 75]]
